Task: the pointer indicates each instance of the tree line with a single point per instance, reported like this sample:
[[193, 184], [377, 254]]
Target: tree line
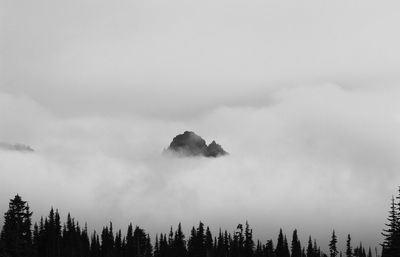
[[52, 238]]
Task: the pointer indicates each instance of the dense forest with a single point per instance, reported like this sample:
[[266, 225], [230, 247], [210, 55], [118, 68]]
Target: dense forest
[[52, 238]]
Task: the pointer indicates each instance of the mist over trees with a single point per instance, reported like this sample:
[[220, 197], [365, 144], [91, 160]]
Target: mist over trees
[[49, 237]]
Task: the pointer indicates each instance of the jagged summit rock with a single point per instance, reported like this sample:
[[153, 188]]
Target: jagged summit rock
[[191, 144], [214, 150], [188, 143]]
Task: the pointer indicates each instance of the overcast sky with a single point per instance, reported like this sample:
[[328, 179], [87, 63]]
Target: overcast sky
[[303, 95]]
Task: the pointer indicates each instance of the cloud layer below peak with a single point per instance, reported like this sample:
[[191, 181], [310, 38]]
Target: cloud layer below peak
[[318, 153]]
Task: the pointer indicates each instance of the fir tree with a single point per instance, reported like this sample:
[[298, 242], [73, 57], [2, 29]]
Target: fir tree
[[148, 252], [192, 243], [130, 251], [179, 242], [280, 246], [16, 235], [248, 241], [296, 246], [332, 245], [310, 249], [208, 243], [269, 249], [390, 246], [349, 251]]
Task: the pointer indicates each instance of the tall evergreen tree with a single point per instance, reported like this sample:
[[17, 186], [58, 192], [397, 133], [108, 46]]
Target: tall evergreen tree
[[130, 248], [95, 245], [310, 248], [286, 247], [199, 242], [296, 246], [192, 243], [282, 247], [349, 251], [332, 245], [259, 250], [16, 235], [148, 252], [269, 249], [179, 242], [209, 244], [391, 243], [171, 246], [317, 250], [140, 242], [248, 241]]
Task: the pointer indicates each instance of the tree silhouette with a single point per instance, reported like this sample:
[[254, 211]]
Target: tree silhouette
[[349, 251], [51, 238], [391, 234], [296, 246], [16, 235], [280, 246], [332, 245]]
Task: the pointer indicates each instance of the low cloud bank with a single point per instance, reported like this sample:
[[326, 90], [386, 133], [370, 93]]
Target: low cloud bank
[[321, 157]]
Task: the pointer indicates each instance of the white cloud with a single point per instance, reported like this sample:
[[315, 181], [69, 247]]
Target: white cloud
[[320, 157], [152, 58], [99, 89]]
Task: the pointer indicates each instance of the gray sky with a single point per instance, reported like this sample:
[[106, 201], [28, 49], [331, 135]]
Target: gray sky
[[303, 94]]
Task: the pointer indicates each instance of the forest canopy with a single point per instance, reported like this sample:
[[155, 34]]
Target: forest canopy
[[51, 238]]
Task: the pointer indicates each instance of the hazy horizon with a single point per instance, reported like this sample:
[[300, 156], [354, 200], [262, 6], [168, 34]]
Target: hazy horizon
[[303, 95]]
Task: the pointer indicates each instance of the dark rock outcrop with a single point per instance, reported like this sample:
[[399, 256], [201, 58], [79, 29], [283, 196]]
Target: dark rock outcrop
[[190, 144], [214, 150]]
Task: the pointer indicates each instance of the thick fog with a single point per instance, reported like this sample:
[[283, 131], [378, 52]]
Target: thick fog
[[319, 158], [303, 95]]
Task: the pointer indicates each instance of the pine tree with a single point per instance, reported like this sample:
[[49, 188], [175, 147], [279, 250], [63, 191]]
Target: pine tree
[[171, 242], [118, 244], [164, 249], [259, 250], [220, 244], [148, 252], [286, 247], [156, 247], [16, 235], [209, 244], [237, 244], [296, 246], [349, 251], [140, 242], [192, 243], [130, 251], [317, 250], [84, 242], [280, 246], [248, 241], [332, 245], [396, 242], [200, 241], [179, 242], [107, 241], [269, 249], [390, 246], [310, 249]]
